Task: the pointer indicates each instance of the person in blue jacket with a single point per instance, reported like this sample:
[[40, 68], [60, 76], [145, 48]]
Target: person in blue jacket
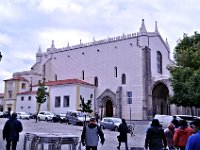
[[11, 131], [193, 142], [90, 135]]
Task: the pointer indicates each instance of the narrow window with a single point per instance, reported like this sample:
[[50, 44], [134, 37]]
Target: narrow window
[[23, 85], [159, 62], [115, 71], [56, 77], [83, 75], [96, 81], [123, 78], [29, 98], [22, 98], [57, 101], [66, 101]]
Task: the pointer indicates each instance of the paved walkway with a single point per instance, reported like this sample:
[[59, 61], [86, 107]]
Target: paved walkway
[[50, 127]]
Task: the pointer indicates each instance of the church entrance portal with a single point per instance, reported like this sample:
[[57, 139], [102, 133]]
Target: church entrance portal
[[109, 109], [160, 103]]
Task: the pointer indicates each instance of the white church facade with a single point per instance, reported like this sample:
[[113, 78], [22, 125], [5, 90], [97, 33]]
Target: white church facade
[[127, 68]]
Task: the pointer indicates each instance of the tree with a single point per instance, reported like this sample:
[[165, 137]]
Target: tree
[[185, 75], [86, 107], [41, 96]]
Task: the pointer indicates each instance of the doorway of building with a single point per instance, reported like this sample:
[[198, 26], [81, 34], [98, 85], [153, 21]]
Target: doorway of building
[[109, 108], [160, 94]]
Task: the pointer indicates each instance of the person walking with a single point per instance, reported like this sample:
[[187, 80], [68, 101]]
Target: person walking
[[175, 122], [90, 135], [11, 131], [181, 135], [123, 130], [169, 133], [193, 142], [155, 137]]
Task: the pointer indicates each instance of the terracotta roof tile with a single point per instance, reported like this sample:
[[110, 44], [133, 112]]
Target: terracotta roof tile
[[27, 92], [17, 78], [67, 81]]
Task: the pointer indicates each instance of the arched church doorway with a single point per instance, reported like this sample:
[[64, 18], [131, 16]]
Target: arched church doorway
[[160, 104], [108, 106]]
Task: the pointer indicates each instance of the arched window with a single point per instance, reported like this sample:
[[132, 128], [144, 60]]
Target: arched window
[[83, 75], [115, 71], [123, 78], [96, 81], [159, 62]]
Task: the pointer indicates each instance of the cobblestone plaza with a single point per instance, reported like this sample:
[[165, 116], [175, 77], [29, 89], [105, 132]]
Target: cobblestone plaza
[[50, 127]]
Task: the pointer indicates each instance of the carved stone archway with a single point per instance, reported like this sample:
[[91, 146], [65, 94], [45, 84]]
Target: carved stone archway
[[106, 103], [160, 94]]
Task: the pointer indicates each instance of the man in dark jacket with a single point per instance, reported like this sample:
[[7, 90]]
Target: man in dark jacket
[[11, 131], [90, 135]]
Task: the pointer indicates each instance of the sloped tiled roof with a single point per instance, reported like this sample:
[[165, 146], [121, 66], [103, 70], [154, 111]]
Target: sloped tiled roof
[[17, 78], [27, 92], [67, 81]]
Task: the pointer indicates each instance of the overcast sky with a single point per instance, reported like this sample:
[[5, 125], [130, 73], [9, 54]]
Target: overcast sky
[[27, 24]]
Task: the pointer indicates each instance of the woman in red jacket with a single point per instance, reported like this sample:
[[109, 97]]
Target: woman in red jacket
[[181, 135]]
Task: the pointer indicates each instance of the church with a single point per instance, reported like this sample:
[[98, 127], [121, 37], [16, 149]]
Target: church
[[127, 75]]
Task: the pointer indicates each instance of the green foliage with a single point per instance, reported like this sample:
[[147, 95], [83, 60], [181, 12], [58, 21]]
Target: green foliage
[[41, 94], [86, 107], [185, 76]]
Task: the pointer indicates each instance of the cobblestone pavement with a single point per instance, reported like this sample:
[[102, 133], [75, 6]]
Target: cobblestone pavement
[[50, 127]]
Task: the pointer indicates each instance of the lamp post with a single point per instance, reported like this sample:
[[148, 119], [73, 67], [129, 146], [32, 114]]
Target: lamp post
[[1, 56]]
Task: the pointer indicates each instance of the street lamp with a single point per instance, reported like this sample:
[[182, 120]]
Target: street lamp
[[1, 56]]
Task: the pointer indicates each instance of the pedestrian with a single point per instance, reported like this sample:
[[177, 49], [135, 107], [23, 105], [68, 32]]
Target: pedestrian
[[155, 137], [175, 121], [181, 135], [169, 133], [90, 135], [11, 131], [123, 130], [97, 117], [193, 142]]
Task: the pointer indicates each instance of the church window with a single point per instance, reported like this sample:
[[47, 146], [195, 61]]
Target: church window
[[83, 75], [22, 107], [96, 81], [57, 101], [123, 78], [56, 77], [159, 62], [115, 71]]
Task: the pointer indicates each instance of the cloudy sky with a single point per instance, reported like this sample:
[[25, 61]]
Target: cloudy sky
[[27, 24]]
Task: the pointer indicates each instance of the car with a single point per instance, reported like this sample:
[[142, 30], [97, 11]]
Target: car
[[76, 117], [1, 114], [59, 117], [62, 117], [164, 120], [110, 123], [23, 115], [32, 115], [45, 115], [188, 118]]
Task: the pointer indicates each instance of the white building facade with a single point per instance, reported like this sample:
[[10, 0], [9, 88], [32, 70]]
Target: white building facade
[[131, 65]]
